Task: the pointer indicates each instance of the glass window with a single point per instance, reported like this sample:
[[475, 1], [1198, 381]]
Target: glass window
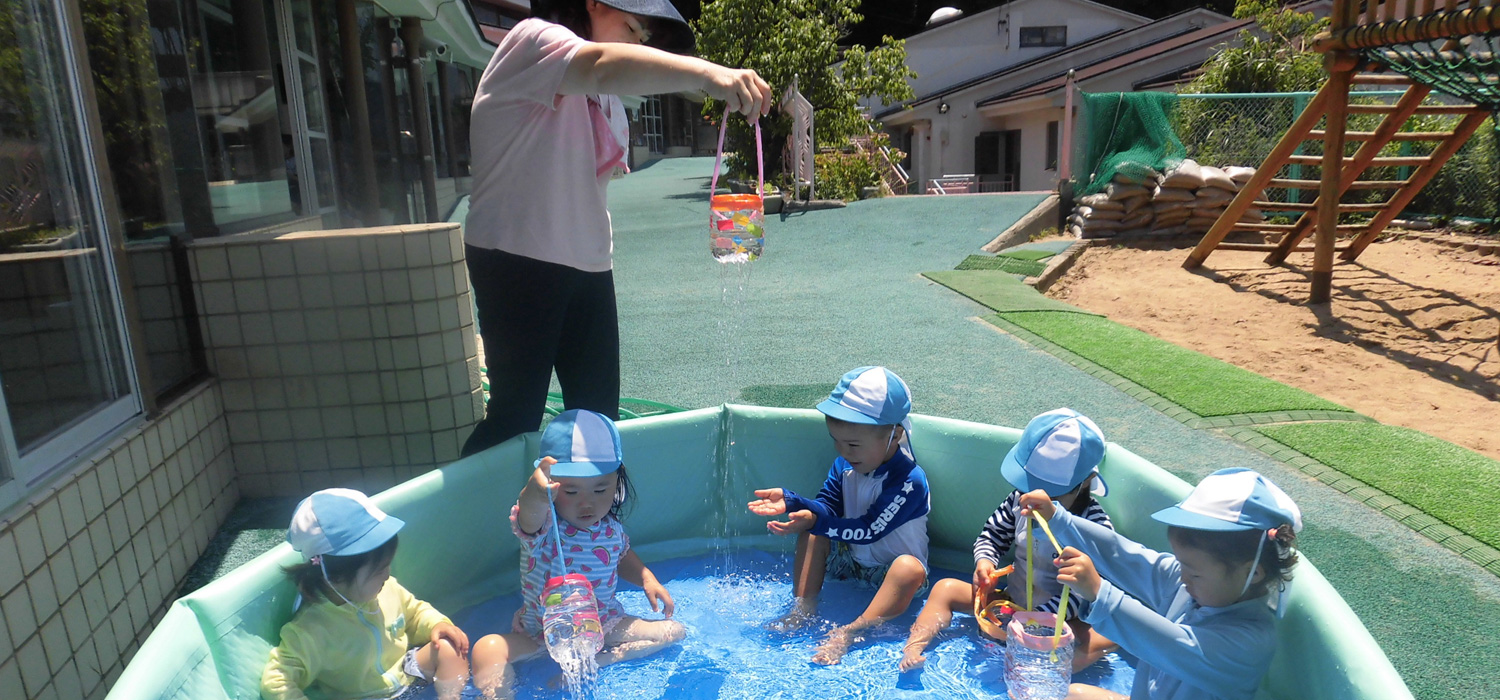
[[63, 377], [246, 148], [651, 126], [1044, 36], [1051, 145]]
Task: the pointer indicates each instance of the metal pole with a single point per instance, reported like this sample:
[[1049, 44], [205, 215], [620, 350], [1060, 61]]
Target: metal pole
[[352, 55], [411, 36], [1064, 157]]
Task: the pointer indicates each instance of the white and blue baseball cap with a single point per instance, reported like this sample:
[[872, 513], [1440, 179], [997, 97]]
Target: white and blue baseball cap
[[870, 396], [1233, 499], [583, 442], [341, 523], [1057, 451]]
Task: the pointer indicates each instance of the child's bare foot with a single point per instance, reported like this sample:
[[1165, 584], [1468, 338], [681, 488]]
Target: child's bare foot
[[833, 648], [913, 658], [798, 617]]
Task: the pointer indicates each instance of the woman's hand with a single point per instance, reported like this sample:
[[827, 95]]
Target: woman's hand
[[743, 91], [1077, 570]]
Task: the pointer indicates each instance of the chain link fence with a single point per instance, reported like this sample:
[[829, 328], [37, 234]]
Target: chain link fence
[[1229, 130]]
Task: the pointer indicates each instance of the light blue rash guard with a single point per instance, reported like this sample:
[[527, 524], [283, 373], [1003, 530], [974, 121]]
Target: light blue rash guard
[[1187, 651]]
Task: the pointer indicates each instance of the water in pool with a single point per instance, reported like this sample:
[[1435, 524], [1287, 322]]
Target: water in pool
[[724, 600]]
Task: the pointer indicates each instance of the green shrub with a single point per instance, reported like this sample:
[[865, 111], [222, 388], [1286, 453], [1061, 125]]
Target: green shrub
[[841, 175]]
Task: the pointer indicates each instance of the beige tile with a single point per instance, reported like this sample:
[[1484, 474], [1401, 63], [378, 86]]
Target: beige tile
[[89, 493], [29, 543], [99, 537], [344, 254], [414, 417], [354, 324], [385, 356], [43, 592], [453, 345], [49, 519], [418, 250], [317, 291], [130, 567], [315, 256], [359, 355], [75, 619], [322, 324], [471, 341], [55, 643], [10, 562], [458, 379], [333, 390], [212, 263], [406, 353], [440, 413], [70, 500], [435, 382], [328, 358], [423, 284], [373, 452], [448, 314], [427, 317], [409, 385], [369, 420], [445, 446], [244, 426], [280, 457], [396, 286], [388, 388], [256, 329], [67, 682], [145, 556], [248, 459], [10, 678], [456, 245], [401, 320], [399, 454], [343, 453], [276, 260], [301, 392], [374, 288], [463, 411], [244, 262], [106, 642], [338, 421], [84, 561], [135, 514], [7, 646], [92, 597], [124, 628], [307, 423], [420, 447], [20, 617], [64, 574], [364, 389], [269, 394], [34, 672], [157, 534], [119, 529], [438, 251], [250, 295], [140, 612], [296, 360], [285, 485], [87, 659], [348, 290], [393, 422], [430, 349], [147, 490], [289, 327]]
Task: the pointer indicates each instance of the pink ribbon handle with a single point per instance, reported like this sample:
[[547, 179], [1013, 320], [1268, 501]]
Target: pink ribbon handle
[[760, 175]]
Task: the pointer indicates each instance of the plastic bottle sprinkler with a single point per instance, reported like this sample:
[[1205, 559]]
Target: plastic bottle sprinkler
[[570, 612], [737, 222]]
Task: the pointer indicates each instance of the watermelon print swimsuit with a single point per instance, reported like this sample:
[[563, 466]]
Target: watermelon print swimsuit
[[594, 552]]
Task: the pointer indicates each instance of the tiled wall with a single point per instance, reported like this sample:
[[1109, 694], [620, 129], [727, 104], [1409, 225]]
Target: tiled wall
[[89, 564], [163, 322], [346, 357]]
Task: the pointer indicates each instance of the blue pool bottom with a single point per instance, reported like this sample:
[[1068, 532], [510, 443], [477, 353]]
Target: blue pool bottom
[[725, 600]]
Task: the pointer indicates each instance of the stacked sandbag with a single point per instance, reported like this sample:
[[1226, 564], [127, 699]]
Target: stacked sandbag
[[1188, 198]]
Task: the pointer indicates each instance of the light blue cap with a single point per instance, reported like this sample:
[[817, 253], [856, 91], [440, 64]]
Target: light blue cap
[[1233, 499], [869, 395], [583, 442], [1057, 451], [341, 523]]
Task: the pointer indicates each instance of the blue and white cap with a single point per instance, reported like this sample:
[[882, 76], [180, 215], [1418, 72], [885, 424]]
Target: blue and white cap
[[871, 396], [583, 442], [341, 523], [1057, 451], [1233, 499]]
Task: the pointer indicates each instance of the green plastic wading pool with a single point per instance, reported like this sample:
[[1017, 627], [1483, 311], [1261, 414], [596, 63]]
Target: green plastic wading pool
[[456, 550]]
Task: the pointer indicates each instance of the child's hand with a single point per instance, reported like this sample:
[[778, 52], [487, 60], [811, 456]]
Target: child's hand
[[797, 521], [768, 502], [1077, 570], [984, 578], [454, 635], [541, 479], [655, 592], [1037, 502]]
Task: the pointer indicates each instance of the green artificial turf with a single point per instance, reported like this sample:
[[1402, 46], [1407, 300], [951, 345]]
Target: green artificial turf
[[1198, 383], [1002, 263], [1026, 254], [1437, 477], [998, 290]]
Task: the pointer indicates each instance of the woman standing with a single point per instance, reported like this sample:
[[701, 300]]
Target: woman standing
[[547, 134]]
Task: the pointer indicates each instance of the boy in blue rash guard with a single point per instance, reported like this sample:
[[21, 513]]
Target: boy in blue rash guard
[[1200, 619], [871, 511]]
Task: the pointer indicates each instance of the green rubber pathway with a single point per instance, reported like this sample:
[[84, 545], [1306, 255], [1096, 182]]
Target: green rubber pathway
[[842, 288]]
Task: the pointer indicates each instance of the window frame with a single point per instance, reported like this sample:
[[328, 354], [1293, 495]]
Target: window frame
[[1041, 38], [21, 475]]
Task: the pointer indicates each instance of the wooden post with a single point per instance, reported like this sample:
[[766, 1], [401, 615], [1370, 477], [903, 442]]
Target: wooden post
[[367, 197], [1419, 179], [1366, 154], [1340, 69], [1263, 176], [416, 85]]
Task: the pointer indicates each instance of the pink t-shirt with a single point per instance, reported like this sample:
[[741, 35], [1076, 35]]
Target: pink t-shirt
[[539, 184]]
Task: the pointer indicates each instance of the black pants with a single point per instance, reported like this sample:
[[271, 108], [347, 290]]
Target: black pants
[[535, 316]]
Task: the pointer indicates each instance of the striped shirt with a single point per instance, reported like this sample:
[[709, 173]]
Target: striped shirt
[[1004, 531]]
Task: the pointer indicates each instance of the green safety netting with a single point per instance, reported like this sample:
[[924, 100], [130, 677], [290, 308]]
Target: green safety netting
[[1126, 133], [1469, 69]]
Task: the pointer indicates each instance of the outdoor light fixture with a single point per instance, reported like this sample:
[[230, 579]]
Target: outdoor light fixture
[[943, 108]]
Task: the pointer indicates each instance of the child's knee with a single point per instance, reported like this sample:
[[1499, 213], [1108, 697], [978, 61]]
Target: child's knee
[[908, 571], [446, 652], [952, 588]]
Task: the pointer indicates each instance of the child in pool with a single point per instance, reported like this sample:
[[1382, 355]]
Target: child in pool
[[357, 632], [582, 473], [1059, 453], [873, 507], [1200, 619]]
